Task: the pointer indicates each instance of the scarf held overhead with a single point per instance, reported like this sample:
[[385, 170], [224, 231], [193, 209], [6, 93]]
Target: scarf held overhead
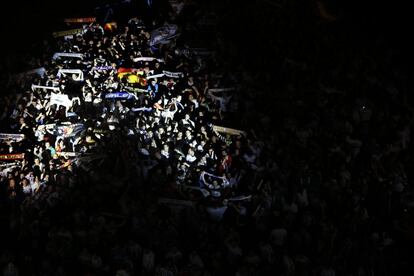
[[12, 137], [15, 156], [80, 20]]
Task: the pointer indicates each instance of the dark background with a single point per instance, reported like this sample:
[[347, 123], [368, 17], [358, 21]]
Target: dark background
[[23, 22]]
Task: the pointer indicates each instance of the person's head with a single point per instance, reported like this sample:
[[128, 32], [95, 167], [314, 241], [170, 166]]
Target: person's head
[[166, 147], [157, 154], [39, 148], [60, 142], [187, 116], [187, 133], [191, 152], [25, 182], [238, 144], [12, 182]]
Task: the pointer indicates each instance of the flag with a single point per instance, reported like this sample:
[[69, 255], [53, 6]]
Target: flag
[[132, 75], [164, 34], [111, 26], [324, 13], [68, 131]]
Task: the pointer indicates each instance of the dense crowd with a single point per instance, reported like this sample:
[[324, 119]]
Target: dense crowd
[[134, 163]]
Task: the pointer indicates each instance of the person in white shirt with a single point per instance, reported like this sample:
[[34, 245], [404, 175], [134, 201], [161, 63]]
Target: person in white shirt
[[190, 156], [165, 151], [27, 188]]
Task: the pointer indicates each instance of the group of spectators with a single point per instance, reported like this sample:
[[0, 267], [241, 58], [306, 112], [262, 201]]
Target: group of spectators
[[166, 159]]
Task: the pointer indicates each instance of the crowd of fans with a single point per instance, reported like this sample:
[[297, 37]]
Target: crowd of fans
[[148, 158]]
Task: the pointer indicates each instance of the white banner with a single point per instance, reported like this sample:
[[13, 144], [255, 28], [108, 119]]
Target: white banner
[[13, 137], [173, 74], [217, 90], [145, 109], [212, 177], [34, 86], [73, 55], [138, 59], [155, 76], [60, 100], [67, 154], [9, 165], [103, 68], [77, 72]]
